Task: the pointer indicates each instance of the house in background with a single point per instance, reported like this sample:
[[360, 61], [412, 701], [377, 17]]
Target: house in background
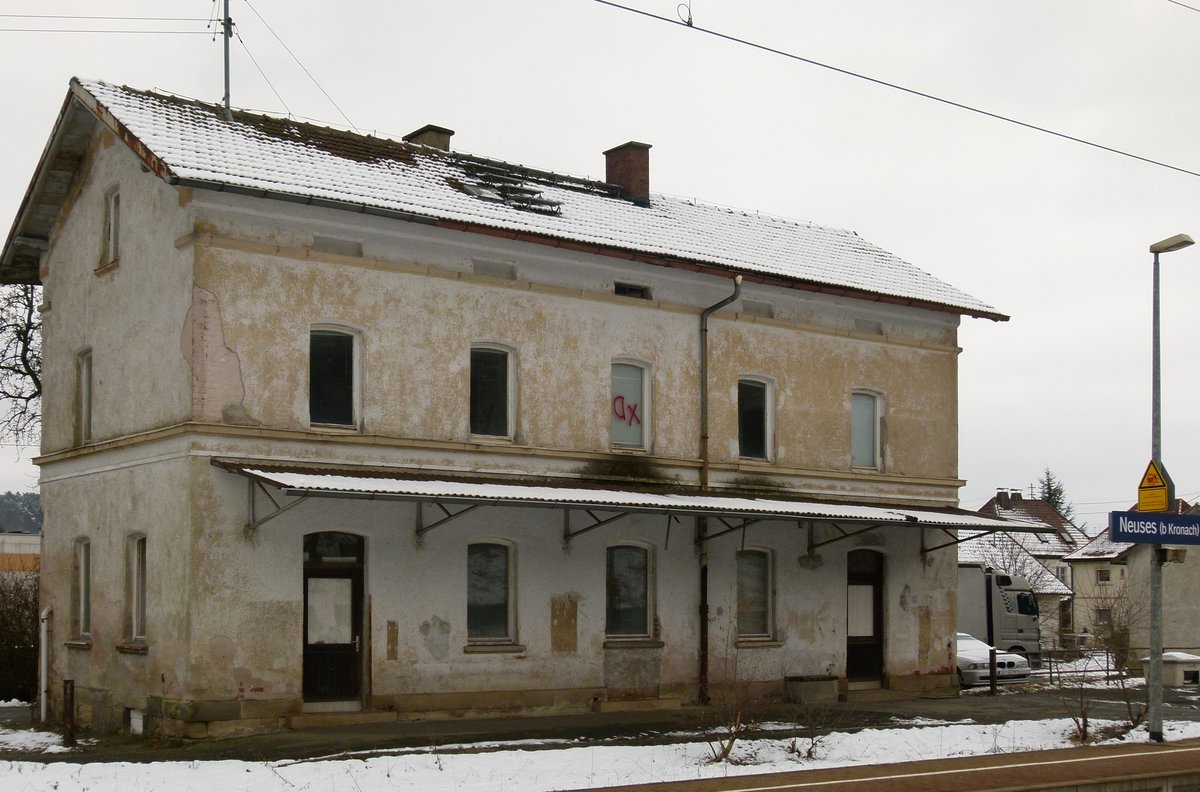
[[340, 424], [1050, 547], [20, 552], [1112, 594], [1001, 551]]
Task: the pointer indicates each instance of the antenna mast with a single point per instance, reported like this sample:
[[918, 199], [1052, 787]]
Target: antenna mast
[[227, 34]]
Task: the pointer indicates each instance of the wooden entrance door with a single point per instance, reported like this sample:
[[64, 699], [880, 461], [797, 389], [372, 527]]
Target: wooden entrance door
[[864, 616], [333, 596]]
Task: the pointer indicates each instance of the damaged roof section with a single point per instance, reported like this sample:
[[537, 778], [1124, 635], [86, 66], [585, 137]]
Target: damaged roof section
[[190, 143]]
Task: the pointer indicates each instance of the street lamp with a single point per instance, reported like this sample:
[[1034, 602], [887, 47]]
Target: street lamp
[[1154, 672]]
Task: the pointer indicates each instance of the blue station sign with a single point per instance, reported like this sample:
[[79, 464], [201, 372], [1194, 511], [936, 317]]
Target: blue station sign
[[1154, 528]]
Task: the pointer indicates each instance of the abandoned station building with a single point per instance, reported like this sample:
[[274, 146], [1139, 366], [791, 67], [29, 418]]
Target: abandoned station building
[[336, 423]]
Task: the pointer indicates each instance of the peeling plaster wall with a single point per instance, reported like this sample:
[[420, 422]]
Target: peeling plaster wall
[[108, 507], [247, 613], [810, 605], [417, 307], [130, 314]]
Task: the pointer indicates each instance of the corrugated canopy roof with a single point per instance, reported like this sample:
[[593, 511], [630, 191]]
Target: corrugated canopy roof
[[189, 142], [338, 483]]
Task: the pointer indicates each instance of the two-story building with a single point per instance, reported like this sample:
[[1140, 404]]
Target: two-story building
[[336, 423]]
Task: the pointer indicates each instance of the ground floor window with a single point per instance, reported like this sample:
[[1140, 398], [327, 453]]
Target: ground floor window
[[754, 611], [628, 592], [489, 593]]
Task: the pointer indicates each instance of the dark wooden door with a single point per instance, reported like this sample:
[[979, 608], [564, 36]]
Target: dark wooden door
[[864, 616], [332, 634]]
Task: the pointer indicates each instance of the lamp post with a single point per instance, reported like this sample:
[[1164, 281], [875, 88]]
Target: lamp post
[[1154, 672]]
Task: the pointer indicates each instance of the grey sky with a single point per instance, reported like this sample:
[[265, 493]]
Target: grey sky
[[1053, 233]]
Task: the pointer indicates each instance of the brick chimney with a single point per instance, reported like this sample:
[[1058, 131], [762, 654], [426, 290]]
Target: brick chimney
[[628, 167], [430, 135]]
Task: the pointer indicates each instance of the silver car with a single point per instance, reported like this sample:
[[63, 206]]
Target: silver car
[[973, 661]]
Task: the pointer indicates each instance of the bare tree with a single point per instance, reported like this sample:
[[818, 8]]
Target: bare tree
[[18, 635], [20, 362]]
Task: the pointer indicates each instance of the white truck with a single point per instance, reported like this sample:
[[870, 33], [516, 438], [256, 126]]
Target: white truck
[[999, 609]]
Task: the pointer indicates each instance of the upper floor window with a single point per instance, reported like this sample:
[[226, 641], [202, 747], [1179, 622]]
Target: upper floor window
[[1103, 575], [331, 385], [491, 392], [136, 588], [83, 397], [864, 429], [112, 227], [489, 593], [627, 586], [629, 406], [631, 290], [753, 419], [755, 609], [81, 590]]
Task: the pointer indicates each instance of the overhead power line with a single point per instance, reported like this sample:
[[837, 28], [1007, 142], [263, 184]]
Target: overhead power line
[[97, 30], [689, 25], [301, 65], [106, 18], [1185, 5]]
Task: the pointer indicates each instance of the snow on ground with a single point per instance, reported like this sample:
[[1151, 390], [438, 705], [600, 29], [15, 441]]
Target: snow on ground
[[510, 767]]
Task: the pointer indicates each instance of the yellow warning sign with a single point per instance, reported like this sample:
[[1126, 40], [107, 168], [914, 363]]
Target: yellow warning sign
[[1154, 493]]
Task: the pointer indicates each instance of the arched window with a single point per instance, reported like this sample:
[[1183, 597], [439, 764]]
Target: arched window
[[628, 584], [864, 429], [491, 391], [629, 413], [490, 593], [332, 380]]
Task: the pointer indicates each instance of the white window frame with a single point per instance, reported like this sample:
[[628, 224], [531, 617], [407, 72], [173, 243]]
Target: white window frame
[[511, 627], [135, 571], [84, 395], [356, 373], [769, 583], [768, 418], [651, 602], [877, 429], [646, 405], [81, 605], [112, 226], [511, 385]]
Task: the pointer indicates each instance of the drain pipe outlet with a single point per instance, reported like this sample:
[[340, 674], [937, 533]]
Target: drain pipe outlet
[[44, 664]]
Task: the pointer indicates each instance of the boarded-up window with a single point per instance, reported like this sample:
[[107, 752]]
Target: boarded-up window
[[754, 594], [752, 419], [331, 378], [488, 584], [628, 603], [489, 392], [628, 406]]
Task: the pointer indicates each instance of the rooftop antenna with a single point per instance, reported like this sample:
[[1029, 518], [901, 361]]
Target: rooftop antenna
[[227, 34]]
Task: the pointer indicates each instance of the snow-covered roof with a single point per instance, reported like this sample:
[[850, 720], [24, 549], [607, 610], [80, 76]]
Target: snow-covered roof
[[1064, 538], [1005, 552], [377, 485], [1101, 548], [190, 142]]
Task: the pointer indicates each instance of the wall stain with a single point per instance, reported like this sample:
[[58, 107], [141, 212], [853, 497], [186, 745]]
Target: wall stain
[[435, 634]]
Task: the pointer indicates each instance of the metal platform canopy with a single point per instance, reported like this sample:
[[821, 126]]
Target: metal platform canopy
[[449, 500]]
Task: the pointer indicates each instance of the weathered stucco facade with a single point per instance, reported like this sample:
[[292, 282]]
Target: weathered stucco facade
[[196, 342]]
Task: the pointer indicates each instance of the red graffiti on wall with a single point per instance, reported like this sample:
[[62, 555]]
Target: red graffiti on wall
[[626, 411]]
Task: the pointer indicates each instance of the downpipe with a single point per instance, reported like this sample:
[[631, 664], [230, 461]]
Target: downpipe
[[702, 522]]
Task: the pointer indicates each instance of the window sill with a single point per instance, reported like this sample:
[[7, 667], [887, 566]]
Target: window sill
[[132, 647], [497, 648], [79, 643], [346, 429], [107, 267], [492, 439], [633, 643], [758, 643]]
